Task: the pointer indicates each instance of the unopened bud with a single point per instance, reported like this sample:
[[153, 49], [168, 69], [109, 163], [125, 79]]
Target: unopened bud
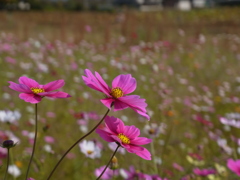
[[114, 163], [8, 144]]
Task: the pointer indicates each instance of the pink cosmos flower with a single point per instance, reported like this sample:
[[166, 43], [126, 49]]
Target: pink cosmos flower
[[33, 92], [204, 172], [234, 166], [108, 174], [125, 136], [121, 86]]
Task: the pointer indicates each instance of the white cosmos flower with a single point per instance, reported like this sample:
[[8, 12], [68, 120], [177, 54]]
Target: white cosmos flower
[[10, 116], [90, 149], [14, 170]]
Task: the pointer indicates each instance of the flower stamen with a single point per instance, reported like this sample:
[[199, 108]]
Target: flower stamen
[[124, 139], [116, 92], [37, 90]]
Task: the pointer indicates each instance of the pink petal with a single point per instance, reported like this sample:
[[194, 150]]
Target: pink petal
[[126, 82], [131, 132], [57, 94], [94, 83], [106, 136], [134, 148], [103, 83], [107, 102], [140, 151], [54, 85], [118, 105], [116, 139], [141, 141], [135, 103], [32, 98], [112, 124], [120, 127], [28, 82], [145, 154], [19, 87], [234, 166]]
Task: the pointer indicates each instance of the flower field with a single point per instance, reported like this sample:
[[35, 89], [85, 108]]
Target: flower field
[[163, 86]]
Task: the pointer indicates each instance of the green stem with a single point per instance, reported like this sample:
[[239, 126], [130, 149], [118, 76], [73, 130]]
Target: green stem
[[108, 163], [76, 144], [5, 177], [34, 144], [154, 158]]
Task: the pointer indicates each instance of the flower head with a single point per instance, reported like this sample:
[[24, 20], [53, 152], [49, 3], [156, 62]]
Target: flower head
[[125, 136], [108, 174], [90, 149], [204, 172], [117, 95], [33, 92], [234, 166], [14, 171], [8, 144]]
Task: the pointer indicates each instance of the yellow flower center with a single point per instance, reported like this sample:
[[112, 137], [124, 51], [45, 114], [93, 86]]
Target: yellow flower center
[[151, 131], [124, 139], [18, 164], [37, 90], [89, 152], [116, 92]]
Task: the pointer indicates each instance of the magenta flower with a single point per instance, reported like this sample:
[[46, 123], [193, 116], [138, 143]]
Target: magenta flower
[[108, 174], [121, 86], [125, 136], [234, 166], [204, 172], [33, 92]]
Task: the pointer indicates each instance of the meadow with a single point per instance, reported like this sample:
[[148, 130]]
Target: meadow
[[186, 65]]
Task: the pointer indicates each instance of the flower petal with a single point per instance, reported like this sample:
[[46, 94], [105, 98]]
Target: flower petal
[[145, 154], [141, 141], [135, 103], [54, 85], [32, 98], [107, 102], [56, 94], [112, 123], [106, 136], [28, 82], [118, 105], [140, 151], [94, 83], [131, 132], [19, 87], [126, 82]]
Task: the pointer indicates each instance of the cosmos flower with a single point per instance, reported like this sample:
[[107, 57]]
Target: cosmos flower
[[14, 171], [90, 149], [234, 166], [33, 92], [125, 136], [108, 174], [135, 174], [230, 122], [117, 95], [10, 116], [153, 130], [204, 172]]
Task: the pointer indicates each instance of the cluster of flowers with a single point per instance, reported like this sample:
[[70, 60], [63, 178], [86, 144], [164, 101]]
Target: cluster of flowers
[[117, 98]]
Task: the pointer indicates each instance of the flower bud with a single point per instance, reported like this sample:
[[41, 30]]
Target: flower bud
[[114, 163], [8, 144]]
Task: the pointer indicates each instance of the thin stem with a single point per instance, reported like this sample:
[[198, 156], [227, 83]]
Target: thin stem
[[35, 140], [76, 144], [154, 157], [108, 163], [12, 160], [5, 177]]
